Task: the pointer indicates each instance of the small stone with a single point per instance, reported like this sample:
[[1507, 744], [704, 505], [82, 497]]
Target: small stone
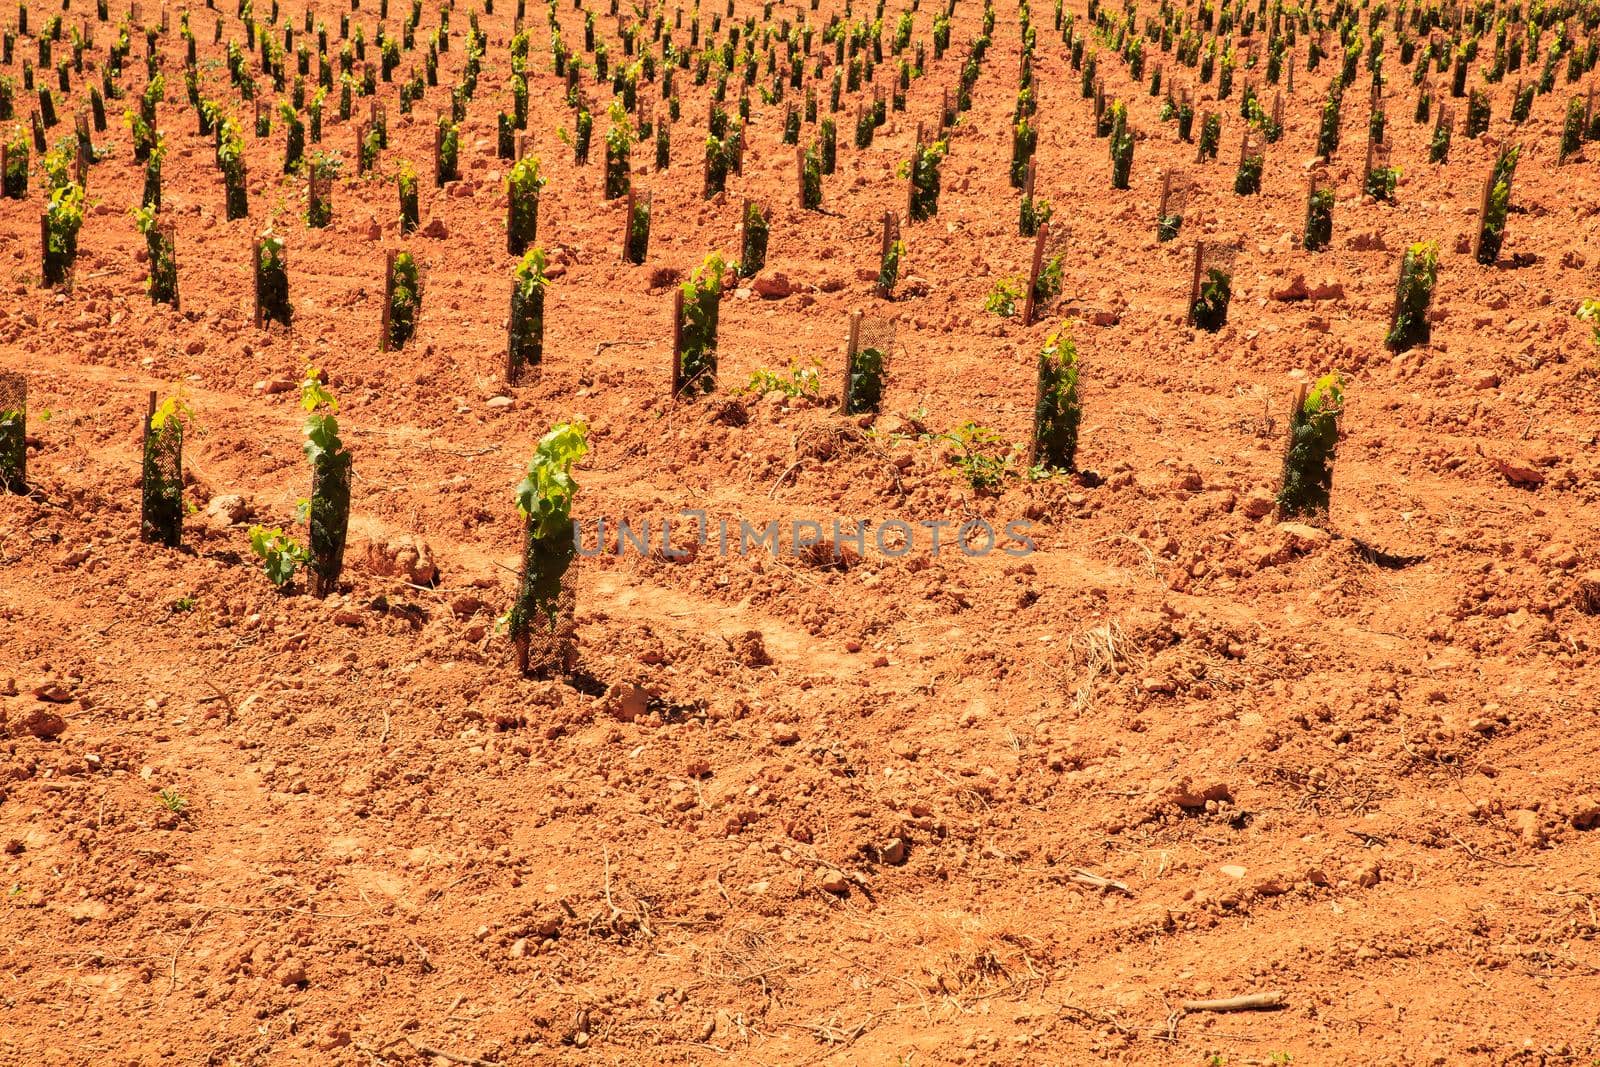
[[784, 733], [1518, 473], [1259, 502], [291, 972], [53, 692], [1526, 823], [1233, 870], [1326, 289], [228, 509], [499, 403], [519, 948], [1293, 289], [893, 851], [774, 286], [1303, 538], [41, 723], [832, 880]]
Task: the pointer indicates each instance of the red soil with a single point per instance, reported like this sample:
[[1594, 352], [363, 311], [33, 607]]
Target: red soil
[[1370, 788]]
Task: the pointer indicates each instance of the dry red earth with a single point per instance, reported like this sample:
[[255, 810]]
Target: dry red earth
[[800, 814]]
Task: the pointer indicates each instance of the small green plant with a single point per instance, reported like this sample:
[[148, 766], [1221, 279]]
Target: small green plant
[[1248, 181], [405, 300], [923, 171], [864, 381], [1319, 219], [174, 801], [1047, 286], [1024, 141], [1328, 132], [230, 160], [1121, 146], [294, 137], [827, 148], [544, 500], [163, 283], [718, 160], [14, 180], [1210, 135], [1419, 270], [272, 282], [1058, 413], [62, 221], [1497, 206], [1210, 308], [702, 303], [525, 341], [638, 244], [14, 439], [447, 151], [319, 206], [1313, 437], [1032, 214], [523, 183], [619, 144], [182, 605], [1477, 122], [753, 247], [327, 511], [889, 268], [977, 456], [804, 382], [1381, 182], [1572, 128], [406, 184], [1439, 144], [811, 180], [1002, 299], [161, 508], [280, 554]]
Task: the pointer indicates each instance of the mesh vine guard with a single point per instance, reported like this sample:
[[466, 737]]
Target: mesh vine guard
[[161, 503], [866, 367], [13, 432], [542, 627], [329, 520]]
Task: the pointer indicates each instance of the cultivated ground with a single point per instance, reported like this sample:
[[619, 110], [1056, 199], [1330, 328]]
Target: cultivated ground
[[908, 810]]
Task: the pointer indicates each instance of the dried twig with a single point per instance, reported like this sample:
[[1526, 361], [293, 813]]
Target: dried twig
[[784, 476], [227, 701], [603, 345], [1475, 854], [1090, 878], [429, 1050], [1248, 1002]]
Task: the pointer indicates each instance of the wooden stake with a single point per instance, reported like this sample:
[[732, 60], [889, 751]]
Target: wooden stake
[[1483, 211], [883, 253], [627, 222], [1194, 281], [255, 270], [388, 299], [1166, 193], [849, 360], [1033, 272], [677, 341]]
